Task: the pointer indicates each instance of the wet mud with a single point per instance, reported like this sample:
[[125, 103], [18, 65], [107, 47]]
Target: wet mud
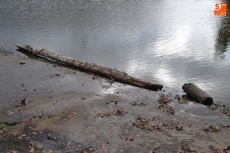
[[48, 108]]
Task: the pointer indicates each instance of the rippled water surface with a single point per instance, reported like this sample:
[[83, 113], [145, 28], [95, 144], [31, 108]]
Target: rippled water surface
[[168, 41]]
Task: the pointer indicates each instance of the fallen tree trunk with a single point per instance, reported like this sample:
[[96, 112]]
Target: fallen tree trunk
[[102, 71], [196, 93]]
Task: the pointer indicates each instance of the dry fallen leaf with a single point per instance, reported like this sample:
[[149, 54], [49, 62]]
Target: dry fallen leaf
[[31, 150], [187, 147], [128, 138], [23, 102], [164, 101], [50, 151], [217, 149], [28, 121], [211, 128], [121, 111]]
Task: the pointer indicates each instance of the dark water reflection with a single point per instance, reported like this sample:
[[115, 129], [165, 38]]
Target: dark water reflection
[[168, 41], [223, 36]]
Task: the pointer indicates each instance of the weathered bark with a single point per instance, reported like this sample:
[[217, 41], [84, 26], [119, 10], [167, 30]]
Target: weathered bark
[[102, 71], [196, 93]]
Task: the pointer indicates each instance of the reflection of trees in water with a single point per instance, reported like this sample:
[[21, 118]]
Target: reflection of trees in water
[[223, 34]]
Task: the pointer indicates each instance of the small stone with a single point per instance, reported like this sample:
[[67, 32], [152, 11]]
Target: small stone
[[21, 63]]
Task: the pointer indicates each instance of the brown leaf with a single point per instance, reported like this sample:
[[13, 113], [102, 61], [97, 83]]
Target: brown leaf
[[128, 138], [28, 121], [23, 102], [217, 149]]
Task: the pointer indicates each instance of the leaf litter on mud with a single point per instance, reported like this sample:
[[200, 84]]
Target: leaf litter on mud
[[119, 112]]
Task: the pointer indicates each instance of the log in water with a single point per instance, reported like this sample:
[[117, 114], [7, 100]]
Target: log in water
[[196, 93], [91, 67]]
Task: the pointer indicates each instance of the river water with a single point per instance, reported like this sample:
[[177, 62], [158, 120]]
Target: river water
[[164, 41]]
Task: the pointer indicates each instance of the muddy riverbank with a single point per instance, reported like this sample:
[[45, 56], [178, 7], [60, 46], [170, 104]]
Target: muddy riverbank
[[50, 108]]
